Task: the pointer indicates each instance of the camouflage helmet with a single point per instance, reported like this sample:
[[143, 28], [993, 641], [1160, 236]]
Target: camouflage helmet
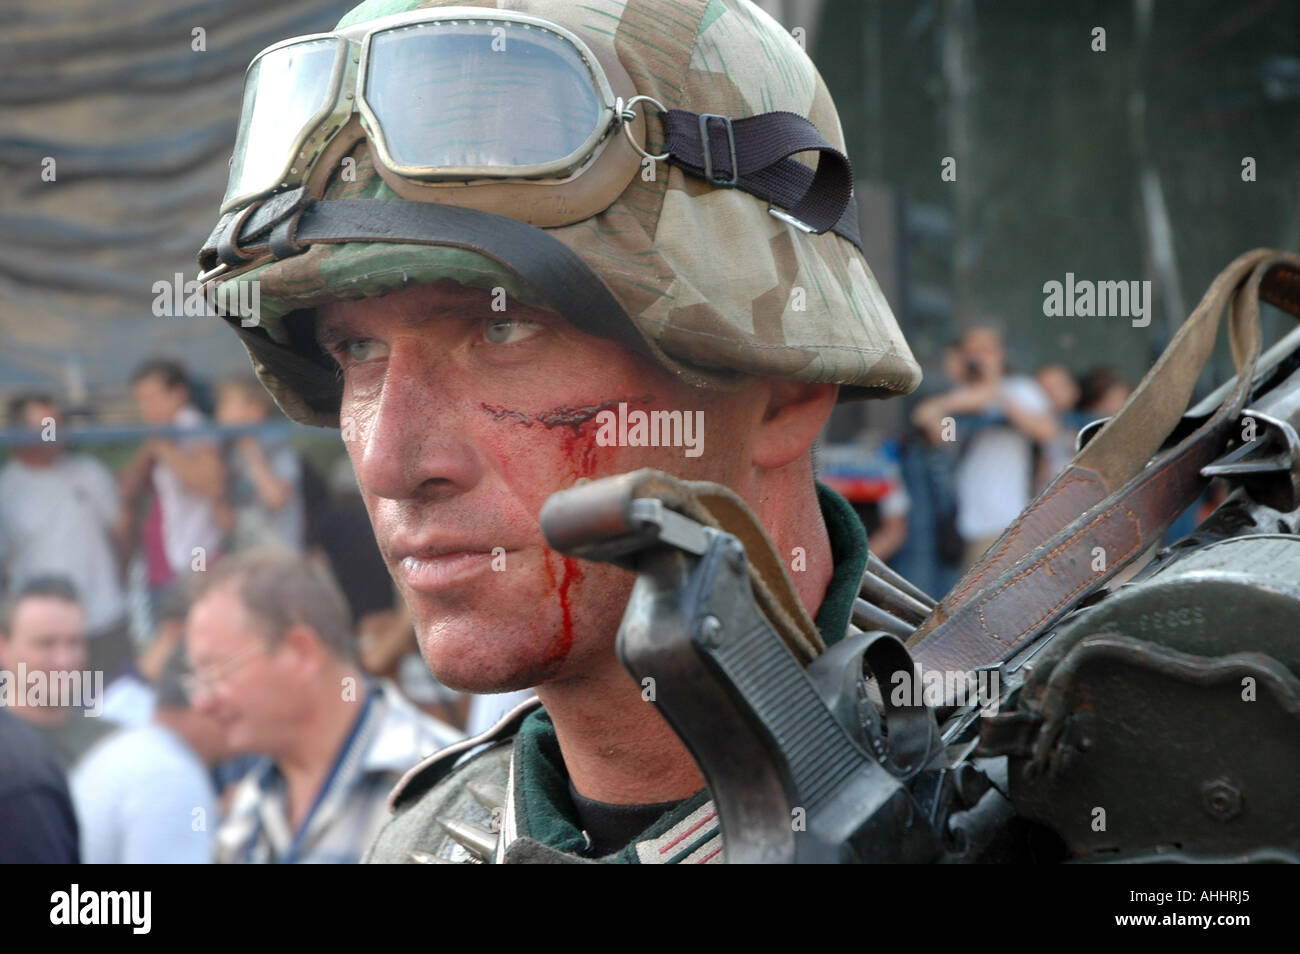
[[697, 276]]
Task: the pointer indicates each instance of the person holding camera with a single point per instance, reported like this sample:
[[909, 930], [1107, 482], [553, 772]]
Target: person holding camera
[[996, 418]]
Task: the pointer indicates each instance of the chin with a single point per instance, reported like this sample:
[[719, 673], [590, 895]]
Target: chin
[[481, 683], [488, 638], [462, 659]]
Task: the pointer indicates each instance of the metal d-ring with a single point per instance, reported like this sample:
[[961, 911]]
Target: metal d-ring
[[626, 114]]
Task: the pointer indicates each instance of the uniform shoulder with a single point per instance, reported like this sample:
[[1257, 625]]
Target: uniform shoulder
[[444, 789], [471, 798]]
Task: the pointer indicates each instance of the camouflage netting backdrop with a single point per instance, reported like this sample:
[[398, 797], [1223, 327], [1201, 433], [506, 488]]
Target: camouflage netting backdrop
[[138, 114]]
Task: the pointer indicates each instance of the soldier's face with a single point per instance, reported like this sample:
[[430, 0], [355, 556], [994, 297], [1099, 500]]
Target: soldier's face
[[460, 422]]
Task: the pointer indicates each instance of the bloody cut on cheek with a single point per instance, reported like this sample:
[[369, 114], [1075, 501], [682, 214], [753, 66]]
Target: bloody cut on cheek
[[578, 456], [574, 423]]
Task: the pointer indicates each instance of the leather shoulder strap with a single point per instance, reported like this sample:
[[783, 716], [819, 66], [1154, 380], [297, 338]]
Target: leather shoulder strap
[[1108, 497]]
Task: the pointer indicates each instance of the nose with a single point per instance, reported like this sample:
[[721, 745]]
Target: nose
[[69, 658], [410, 440]]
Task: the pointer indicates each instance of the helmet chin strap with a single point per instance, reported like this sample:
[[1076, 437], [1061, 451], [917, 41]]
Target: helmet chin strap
[[283, 229]]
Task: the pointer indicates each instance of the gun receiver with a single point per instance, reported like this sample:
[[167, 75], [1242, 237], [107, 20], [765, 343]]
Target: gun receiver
[[1265, 456]]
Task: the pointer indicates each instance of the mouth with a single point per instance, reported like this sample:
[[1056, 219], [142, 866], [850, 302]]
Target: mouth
[[433, 568], [225, 721]]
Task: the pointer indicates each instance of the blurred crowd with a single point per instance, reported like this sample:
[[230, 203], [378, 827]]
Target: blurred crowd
[[202, 656], [980, 442], [252, 687]]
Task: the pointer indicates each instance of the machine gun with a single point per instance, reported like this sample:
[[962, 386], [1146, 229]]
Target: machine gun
[[1111, 728], [1172, 702]]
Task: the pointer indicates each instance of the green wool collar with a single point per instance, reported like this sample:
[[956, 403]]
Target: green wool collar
[[849, 556], [545, 811]]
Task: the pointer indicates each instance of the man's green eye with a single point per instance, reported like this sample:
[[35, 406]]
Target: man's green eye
[[361, 349], [508, 330]]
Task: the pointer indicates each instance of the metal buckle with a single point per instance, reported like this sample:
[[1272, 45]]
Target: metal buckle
[[785, 216], [708, 152]]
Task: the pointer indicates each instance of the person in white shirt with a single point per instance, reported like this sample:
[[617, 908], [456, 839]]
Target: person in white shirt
[[185, 476], [1006, 416], [145, 795], [60, 515]]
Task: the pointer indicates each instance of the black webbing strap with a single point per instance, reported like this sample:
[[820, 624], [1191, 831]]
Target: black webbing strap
[[563, 280], [245, 227], [754, 153]]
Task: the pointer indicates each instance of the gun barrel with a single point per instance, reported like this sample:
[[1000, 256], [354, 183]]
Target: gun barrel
[[893, 600], [878, 568], [869, 617]]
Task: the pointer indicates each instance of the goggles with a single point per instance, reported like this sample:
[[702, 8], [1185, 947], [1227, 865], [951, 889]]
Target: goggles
[[447, 98], [485, 111]]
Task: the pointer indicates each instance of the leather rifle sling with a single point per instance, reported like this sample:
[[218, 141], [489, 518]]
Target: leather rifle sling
[[723, 509], [1107, 497]]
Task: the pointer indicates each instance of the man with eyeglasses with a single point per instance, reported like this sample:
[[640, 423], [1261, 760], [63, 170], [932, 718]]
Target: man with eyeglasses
[[274, 662]]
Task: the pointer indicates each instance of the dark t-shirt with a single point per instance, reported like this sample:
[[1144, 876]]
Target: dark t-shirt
[[37, 823], [610, 826]]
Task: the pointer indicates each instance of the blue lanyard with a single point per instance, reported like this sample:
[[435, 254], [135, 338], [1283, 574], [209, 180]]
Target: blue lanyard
[[291, 855]]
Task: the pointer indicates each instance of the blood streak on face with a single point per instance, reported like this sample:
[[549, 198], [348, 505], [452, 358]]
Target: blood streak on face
[[579, 444], [580, 448], [570, 573], [458, 441]]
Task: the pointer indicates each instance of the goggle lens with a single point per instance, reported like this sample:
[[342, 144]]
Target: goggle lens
[[286, 93], [485, 94]]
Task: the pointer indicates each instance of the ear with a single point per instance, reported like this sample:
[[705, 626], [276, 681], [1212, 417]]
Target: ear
[[302, 648], [796, 412]]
